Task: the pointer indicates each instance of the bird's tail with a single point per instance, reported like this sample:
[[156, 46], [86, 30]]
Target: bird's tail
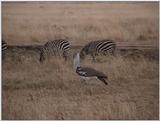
[[103, 79]]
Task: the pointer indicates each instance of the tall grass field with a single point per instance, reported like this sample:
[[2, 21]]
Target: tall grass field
[[52, 90]]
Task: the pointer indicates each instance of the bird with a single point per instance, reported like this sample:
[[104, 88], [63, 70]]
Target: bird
[[87, 72]]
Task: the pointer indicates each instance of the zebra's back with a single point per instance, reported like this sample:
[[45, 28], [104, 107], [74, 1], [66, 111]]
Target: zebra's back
[[55, 48], [102, 47]]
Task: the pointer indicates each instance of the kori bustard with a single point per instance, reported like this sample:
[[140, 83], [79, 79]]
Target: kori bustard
[[87, 72]]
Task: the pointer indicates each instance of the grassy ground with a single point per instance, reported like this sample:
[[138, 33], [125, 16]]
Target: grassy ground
[[31, 90], [35, 22], [54, 91]]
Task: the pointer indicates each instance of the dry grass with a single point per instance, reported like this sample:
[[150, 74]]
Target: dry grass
[[35, 22], [54, 91]]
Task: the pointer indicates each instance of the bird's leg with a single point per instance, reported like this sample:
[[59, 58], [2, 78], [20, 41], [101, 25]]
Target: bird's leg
[[84, 81]]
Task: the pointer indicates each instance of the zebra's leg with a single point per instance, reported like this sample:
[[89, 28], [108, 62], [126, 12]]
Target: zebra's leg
[[3, 55], [112, 51], [93, 57], [42, 57], [65, 56]]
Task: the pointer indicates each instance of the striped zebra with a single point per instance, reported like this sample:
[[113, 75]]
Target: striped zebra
[[94, 48], [4, 48], [55, 48]]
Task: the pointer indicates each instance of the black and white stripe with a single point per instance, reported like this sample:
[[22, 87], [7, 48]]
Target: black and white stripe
[[4, 45], [55, 48], [102, 47], [4, 48]]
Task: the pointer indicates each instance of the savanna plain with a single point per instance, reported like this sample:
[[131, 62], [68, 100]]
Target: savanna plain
[[52, 90]]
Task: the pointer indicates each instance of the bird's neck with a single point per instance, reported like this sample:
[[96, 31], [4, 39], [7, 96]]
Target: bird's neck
[[78, 68]]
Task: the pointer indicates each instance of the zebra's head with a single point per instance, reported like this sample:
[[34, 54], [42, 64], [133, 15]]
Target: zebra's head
[[83, 52]]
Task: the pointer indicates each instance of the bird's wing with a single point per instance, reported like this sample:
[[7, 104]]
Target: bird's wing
[[93, 72], [82, 73]]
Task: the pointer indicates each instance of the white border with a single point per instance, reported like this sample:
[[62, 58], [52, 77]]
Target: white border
[[85, 0], [1, 63]]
